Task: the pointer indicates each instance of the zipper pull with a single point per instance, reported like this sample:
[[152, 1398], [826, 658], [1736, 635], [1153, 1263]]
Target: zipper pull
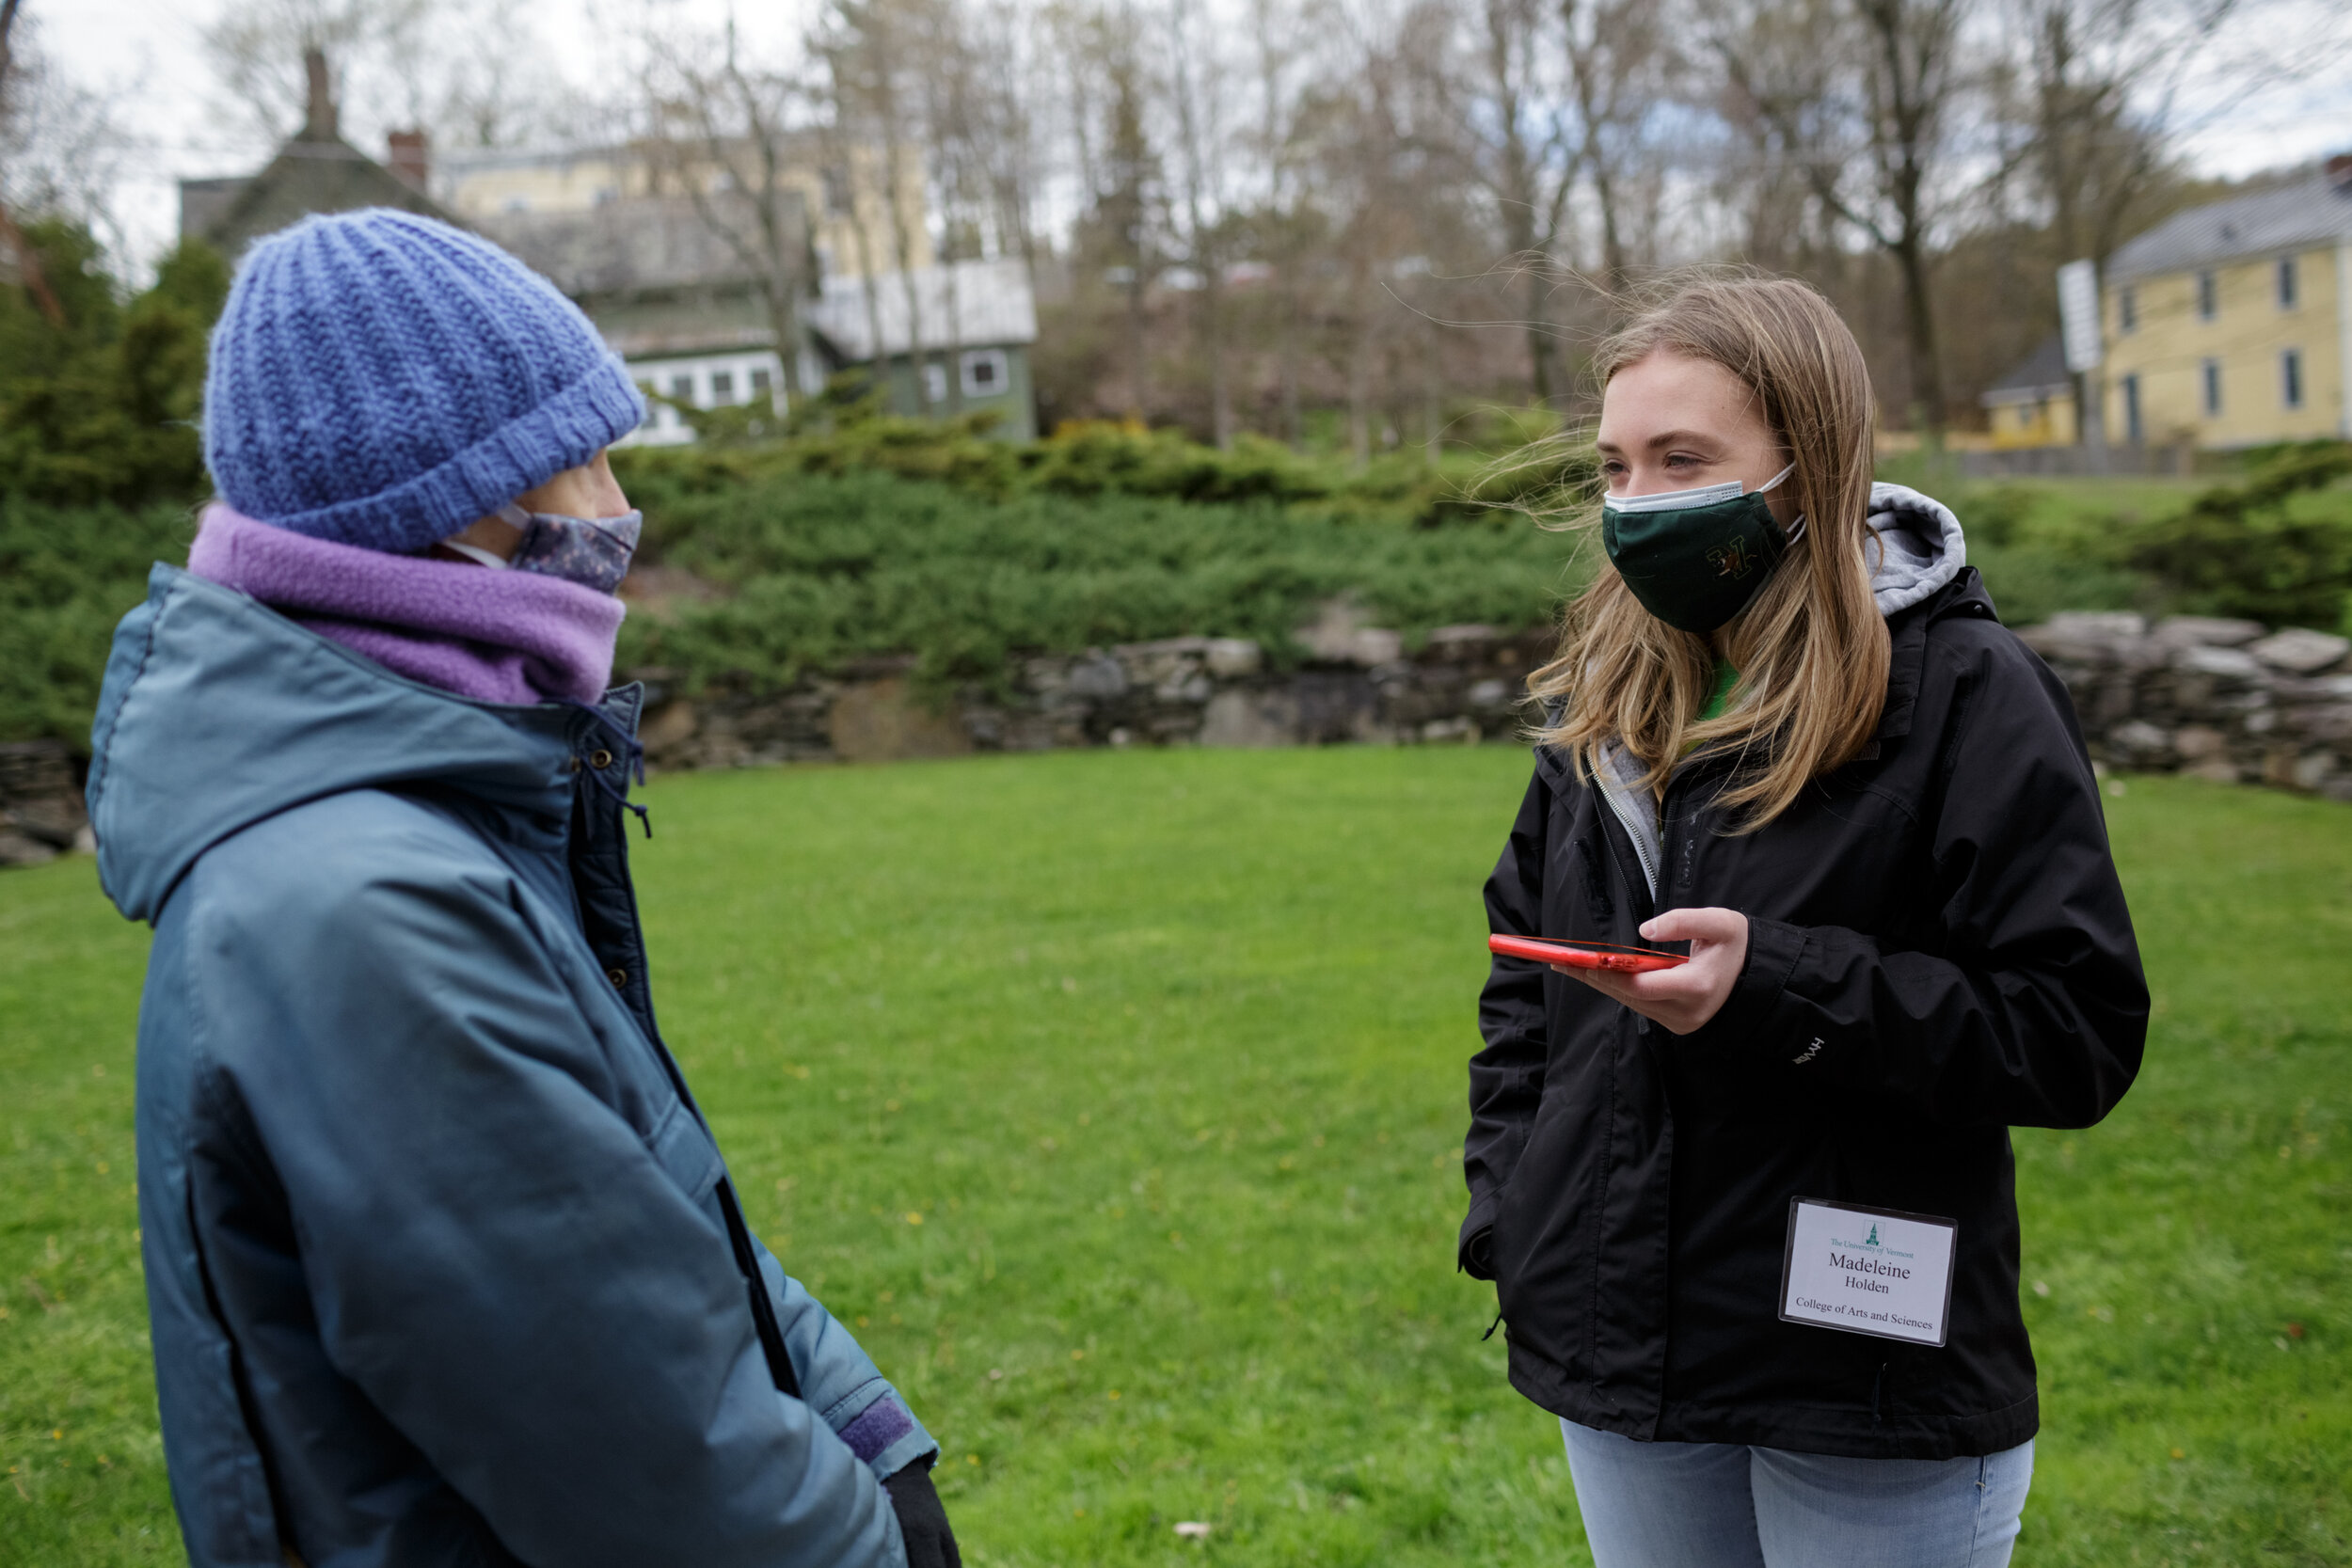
[[1491, 1327]]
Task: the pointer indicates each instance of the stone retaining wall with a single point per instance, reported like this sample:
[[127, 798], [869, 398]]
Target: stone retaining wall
[[1356, 684], [2219, 699]]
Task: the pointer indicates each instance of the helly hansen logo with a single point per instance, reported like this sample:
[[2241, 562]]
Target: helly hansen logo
[[1808, 1054]]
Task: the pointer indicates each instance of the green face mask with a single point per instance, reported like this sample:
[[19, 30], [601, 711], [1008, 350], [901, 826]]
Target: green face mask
[[1695, 558]]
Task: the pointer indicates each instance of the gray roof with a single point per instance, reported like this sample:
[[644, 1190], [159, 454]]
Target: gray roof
[[974, 304], [633, 245], [2038, 375], [311, 174], [2300, 216]]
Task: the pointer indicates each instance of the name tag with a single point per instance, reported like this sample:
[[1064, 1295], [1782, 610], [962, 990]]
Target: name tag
[[1867, 1271]]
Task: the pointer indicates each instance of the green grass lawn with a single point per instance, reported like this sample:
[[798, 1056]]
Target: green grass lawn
[[1117, 1098]]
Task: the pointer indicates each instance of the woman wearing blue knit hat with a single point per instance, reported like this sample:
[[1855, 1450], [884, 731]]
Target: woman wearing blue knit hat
[[443, 1264]]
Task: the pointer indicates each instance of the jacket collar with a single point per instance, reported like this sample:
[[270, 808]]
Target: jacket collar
[[216, 712]]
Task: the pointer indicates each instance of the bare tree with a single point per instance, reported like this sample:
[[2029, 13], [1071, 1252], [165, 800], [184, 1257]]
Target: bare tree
[[720, 131], [1517, 146], [1867, 95], [1195, 100], [257, 49], [1621, 65], [1281, 232], [870, 55]]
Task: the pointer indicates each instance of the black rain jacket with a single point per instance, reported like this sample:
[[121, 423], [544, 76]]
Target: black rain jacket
[[1938, 951]]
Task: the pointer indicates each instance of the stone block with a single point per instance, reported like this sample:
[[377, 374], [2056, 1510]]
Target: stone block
[[882, 722], [2301, 652], [1250, 719], [2137, 743], [2094, 625], [668, 730], [1330, 637], [24, 850], [1372, 646], [2329, 724], [2211, 630], [2199, 742], [1232, 657], [1335, 706], [1468, 644], [1097, 677], [2229, 663], [1490, 695], [1459, 732]]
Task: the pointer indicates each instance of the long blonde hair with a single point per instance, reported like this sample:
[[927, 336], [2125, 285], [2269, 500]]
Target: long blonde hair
[[1811, 647]]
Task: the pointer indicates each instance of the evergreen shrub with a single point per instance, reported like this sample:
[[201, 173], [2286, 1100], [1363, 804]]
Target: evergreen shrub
[[817, 569]]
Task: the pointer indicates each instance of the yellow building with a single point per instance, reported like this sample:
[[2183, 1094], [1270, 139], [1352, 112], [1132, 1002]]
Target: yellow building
[[2033, 406], [843, 194], [2227, 325]]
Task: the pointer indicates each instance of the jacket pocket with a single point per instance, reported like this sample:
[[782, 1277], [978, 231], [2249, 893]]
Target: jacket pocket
[[685, 1152]]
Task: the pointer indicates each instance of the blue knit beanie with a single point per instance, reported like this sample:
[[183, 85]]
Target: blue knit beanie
[[383, 380]]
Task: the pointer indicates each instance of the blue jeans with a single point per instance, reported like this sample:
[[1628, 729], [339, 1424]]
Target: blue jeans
[[1725, 1505]]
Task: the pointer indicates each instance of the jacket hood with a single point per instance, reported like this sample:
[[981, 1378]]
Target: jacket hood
[[1918, 546], [218, 712]]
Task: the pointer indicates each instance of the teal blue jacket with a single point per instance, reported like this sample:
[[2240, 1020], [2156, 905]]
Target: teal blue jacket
[[438, 1266]]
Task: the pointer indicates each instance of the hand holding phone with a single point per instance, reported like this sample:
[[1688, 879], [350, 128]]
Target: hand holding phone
[[1680, 993], [1575, 953]]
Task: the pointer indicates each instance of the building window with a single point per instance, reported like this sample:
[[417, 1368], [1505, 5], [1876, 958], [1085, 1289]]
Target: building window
[[985, 374], [2127, 309], [2134, 431], [722, 387], [2211, 378], [934, 383], [682, 388], [763, 385], [2208, 298], [2286, 283], [2291, 377]]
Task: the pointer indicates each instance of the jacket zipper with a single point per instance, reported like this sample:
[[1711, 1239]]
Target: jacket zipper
[[1623, 813]]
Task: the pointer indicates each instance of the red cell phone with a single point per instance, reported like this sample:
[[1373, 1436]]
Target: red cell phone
[[1584, 955]]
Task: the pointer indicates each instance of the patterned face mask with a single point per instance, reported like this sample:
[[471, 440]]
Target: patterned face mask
[[592, 551]]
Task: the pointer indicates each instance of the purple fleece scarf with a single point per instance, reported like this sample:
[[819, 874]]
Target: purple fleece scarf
[[497, 637]]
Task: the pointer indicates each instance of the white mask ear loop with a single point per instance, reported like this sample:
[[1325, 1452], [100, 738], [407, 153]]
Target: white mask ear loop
[[1796, 529]]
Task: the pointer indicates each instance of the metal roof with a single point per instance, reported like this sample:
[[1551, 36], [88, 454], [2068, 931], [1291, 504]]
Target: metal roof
[[2300, 216], [975, 304]]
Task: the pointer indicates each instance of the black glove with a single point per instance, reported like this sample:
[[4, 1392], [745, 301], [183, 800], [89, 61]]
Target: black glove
[[922, 1518]]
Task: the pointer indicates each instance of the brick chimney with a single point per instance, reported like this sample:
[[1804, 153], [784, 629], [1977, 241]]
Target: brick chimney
[[408, 156], [2340, 171], [318, 120]]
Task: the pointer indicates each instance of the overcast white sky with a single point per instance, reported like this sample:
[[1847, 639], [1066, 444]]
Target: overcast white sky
[[146, 54]]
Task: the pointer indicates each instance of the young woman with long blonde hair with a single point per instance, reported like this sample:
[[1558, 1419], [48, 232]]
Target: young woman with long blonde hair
[[1752, 1219]]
